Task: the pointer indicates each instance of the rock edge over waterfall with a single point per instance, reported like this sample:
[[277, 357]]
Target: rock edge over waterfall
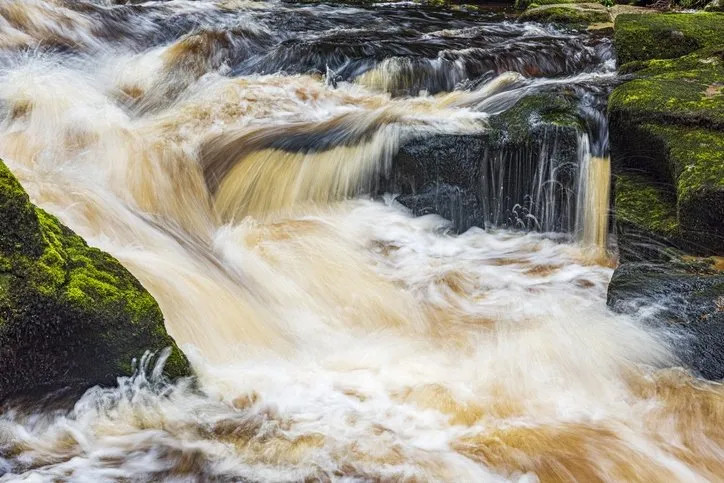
[[70, 314]]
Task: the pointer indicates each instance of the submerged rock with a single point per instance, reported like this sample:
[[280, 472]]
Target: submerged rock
[[70, 314]]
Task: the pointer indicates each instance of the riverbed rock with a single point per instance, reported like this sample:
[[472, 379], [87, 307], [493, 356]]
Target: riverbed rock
[[70, 314], [645, 214]]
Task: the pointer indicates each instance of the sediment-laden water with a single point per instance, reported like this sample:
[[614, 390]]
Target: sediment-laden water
[[232, 156]]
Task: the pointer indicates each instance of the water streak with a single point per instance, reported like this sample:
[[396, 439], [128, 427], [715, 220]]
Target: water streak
[[334, 335]]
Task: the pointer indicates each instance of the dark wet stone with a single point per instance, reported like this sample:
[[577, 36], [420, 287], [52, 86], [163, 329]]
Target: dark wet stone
[[690, 297], [453, 203], [500, 177]]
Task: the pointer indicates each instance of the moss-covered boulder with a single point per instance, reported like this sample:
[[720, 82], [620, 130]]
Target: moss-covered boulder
[[665, 36], [70, 314], [685, 90], [571, 14], [523, 4], [668, 122], [667, 149]]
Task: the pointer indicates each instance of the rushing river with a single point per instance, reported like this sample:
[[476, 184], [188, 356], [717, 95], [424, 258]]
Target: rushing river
[[227, 153]]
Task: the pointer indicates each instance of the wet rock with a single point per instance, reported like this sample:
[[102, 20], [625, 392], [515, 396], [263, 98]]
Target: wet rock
[[668, 124], [667, 149], [685, 91], [689, 296], [645, 214], [493, 178], [453, 203], [70, 314]]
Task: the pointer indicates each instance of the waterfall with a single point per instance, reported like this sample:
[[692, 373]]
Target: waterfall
[[592, 199], [336, 336]]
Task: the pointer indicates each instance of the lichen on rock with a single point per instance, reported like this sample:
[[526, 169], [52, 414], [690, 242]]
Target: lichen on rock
[[70, 314]]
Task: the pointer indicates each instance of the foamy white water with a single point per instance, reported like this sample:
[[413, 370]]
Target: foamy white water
[[334, 336]]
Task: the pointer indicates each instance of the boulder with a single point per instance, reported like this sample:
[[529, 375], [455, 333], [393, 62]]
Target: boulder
[[70, 314], [572, 14], [668, 123], [645, 214], [667, 153], [665, 36]]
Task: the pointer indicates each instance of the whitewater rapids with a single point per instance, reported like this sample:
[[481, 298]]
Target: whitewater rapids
[[335, 337]]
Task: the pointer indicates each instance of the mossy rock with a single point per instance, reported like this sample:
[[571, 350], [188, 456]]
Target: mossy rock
[[668, 122], [697, 156], [645, 214], [686, 161], [686, 91], [571, 14], [450, 174], [545, 109], [665, 36], [70, 314], [523, 4]]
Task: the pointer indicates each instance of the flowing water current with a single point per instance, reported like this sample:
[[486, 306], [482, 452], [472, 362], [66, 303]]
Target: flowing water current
[[228, 153]]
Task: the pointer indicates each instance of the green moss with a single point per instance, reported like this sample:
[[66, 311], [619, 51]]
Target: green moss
[[570, 14], [553, 109], [684, 91], [646, 203], [665, 36], [69, 314], [697, 157], [19, 231], [690, 161], [697, 160], [523, 4]]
